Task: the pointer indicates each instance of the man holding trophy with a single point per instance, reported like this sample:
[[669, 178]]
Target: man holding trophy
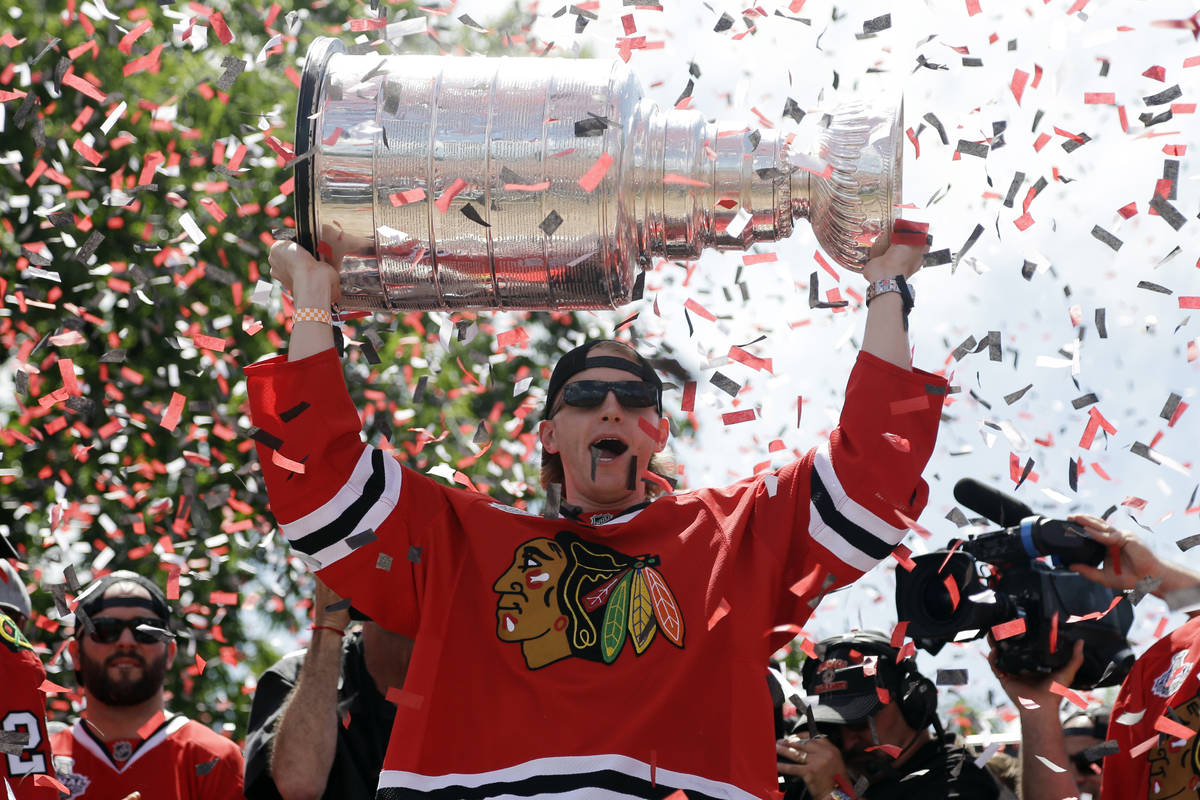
[[565, 654]]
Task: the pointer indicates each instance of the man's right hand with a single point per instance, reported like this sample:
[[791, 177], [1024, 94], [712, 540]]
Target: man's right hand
[[310, 282], [325, 597], [1136, 560]]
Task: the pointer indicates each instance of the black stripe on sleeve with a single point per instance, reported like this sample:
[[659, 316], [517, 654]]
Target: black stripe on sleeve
[[858, 537], [547, 784], [345, 524]]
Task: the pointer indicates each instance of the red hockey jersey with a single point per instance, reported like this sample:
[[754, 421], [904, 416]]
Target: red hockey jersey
[[616, 656], [23, 710], [182, 759], [1158, 755]]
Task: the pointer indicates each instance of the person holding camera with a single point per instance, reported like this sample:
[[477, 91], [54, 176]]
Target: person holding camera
[[1155, 717], [872, 716]]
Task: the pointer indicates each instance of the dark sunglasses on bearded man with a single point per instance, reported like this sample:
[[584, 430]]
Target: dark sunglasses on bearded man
[[630, 394], [146, 630]]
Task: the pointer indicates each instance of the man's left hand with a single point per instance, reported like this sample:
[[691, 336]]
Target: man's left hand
[[898, 259], [817, 762]]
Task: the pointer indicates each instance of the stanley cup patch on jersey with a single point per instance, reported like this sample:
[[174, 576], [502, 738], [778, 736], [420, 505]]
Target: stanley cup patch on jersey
[[64, 769], [566, 597]]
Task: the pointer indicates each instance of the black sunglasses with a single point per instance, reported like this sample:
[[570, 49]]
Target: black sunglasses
[[630, 394], [108, 629]]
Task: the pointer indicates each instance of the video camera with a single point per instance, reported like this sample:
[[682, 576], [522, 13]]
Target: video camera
[[948, 596]]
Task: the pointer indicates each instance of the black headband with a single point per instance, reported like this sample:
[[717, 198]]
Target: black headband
[[94, 600]]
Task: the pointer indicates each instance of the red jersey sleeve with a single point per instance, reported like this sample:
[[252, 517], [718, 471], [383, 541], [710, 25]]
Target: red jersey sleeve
[[23, 711], [867, 479], [359, 518]]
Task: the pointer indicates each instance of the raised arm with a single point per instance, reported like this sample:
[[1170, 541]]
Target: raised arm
[[886, 335], [306, 736], [1136, 561], [313, 284]]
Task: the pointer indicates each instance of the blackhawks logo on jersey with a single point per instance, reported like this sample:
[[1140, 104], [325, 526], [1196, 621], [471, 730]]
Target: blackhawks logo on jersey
[[565, 597]]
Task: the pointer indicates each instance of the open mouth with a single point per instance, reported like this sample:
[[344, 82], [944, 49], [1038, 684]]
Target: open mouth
[[607, 449]]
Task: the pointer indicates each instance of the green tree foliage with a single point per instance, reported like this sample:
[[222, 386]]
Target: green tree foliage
[[144, 150]]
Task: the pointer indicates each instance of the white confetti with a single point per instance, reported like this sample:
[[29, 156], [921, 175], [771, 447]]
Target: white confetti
[[112, 118], [407, 27], [193, 230], [1050, 764], [522, 386], [739, 223]]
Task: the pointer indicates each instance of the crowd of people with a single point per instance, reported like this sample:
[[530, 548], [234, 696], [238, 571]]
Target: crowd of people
[[613, 645]]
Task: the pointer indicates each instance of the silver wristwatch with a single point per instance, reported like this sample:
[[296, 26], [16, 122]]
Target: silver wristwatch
[[889, 285]]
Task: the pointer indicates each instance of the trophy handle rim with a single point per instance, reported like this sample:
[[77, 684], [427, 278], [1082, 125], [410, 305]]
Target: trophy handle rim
[[312, 81]]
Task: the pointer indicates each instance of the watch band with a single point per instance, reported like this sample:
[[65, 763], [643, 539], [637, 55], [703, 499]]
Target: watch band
[[321, 315], [896, 284]]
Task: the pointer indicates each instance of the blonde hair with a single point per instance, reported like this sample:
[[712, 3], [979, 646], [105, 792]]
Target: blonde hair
[[661, 463]]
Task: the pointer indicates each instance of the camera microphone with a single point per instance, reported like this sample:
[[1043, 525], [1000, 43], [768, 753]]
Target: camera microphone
[[1005, 510]]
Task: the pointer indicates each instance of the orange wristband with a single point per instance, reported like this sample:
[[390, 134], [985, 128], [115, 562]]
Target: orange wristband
[[321, 315]]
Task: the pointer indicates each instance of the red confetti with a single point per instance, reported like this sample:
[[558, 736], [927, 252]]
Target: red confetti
[[1100, 98], [973, 8], [209, 342], [718, 613], [1007, 630], [734, 417], [1024, 221], [952, 587], [280, 460], [128, 39], [410, 196], [591, 179], [174, 411], [696, 308], [527, 187], [1172, 728], [681, 180], [217, 21], [442, 204], [1156, 72], [1128, 210], [1189, 302], [1068, 693], [83, 86], [689, 397], [918, 403], [1019, 79]]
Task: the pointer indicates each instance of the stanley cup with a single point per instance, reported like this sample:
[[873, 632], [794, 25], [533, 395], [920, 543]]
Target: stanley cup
[[539, 183]]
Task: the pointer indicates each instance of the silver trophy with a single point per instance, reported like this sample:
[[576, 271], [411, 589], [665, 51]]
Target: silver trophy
[[541, 183]]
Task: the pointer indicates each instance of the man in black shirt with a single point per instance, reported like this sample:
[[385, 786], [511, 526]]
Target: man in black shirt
[[869, 730], [320, 720]]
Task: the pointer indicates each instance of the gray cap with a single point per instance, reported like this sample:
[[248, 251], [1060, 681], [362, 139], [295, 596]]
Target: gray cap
[[13, 597]]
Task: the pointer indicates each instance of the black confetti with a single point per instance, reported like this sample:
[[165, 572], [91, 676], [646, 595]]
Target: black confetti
[[470, 212], [81, 405], [792, 110], [1150, 120], [1139, 449], [639, 286], [1171, 173], [361, 539], [1169, 408], [592, 126], [1024, 473], [963, 349], [207, 766], [1107, 238], [419, 392], [1168, 212], [1165, 96], [978, 149], [414, 554], [114, 356], [972, 61], [936, 258], [1154, 287], [384, 562], [1101, 326], [1071, 145], [880, 23], [294, 411], [89, 247], [508, 176], [958, 517], [725, 384], [1028, 269], [974, 237], [340, 605], [1188, 542], [937, 126], [1017, 395], [1073, 475], [265, 439], [951, 677], [551, 223], [1083, 401], [233, 68], [1018, 179], [723, 24]]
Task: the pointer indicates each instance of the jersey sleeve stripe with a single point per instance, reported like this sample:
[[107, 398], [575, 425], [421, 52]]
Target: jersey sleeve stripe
[[370, 521], [374, 483], [848, 530]]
